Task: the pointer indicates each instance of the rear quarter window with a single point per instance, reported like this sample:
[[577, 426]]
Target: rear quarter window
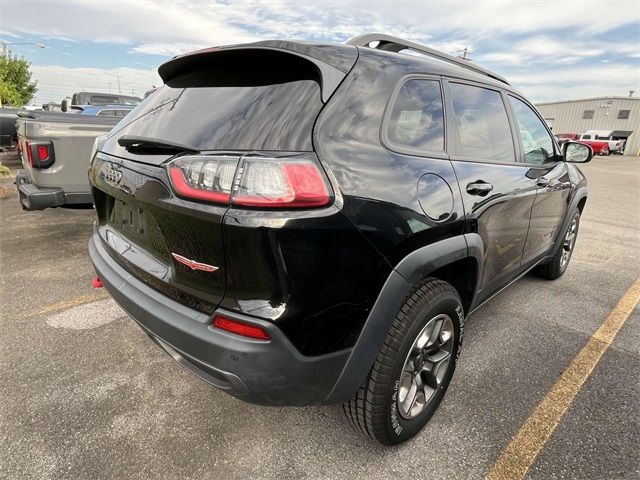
[[415, 123]]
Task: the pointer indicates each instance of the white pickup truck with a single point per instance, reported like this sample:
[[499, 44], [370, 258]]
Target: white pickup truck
[[616, 145]]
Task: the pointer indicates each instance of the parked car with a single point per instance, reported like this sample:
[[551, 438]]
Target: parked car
[[599, 147], [309, 224], [614, 143], [96, 98], [8, 134], [107, 110], [561, 138], [55, 149]]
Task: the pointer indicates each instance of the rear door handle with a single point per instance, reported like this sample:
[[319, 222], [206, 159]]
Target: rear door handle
[[479, 188], [542, 182]]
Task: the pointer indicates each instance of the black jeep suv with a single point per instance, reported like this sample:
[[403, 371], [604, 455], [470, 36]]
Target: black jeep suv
[[303, 224]]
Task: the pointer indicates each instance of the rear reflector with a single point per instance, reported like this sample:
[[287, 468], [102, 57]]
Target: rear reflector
[[239, 328]]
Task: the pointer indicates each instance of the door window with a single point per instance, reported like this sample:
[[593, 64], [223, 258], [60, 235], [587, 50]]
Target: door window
[[482, 123], [417, 119], [536, 141]]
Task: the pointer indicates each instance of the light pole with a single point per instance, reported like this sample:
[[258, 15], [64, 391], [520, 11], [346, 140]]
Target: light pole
[[5, 51]]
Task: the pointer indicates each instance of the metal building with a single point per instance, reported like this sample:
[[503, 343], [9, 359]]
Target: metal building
[[621, 114]]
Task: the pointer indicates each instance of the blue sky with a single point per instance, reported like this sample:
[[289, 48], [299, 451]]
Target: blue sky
[[548, 49]]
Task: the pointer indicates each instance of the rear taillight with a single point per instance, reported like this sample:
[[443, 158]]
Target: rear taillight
[[287, 182], [39, 154], [43, 153], [240, 328], [201, 177], [281, 183]]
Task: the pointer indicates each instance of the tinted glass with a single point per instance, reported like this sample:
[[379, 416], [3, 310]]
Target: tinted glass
[[266, 101], [623, 114], [482, 123], [536, 141], [102, 99], [417, 118]]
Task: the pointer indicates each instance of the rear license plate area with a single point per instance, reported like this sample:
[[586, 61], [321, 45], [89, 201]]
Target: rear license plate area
[[129, 218]]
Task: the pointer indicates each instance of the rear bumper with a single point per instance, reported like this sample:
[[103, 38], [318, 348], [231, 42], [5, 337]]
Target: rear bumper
[[266, 373], [33, 197]]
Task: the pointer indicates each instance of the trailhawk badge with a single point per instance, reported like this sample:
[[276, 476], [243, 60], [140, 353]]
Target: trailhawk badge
[[193, 265]]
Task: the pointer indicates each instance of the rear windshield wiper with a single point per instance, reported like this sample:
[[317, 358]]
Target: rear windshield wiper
[[151, 145]]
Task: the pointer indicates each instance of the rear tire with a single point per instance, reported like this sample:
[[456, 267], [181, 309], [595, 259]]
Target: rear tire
[[556, 267], [414, 366]]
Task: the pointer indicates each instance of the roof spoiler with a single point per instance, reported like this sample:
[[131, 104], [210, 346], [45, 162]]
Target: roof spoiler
[[331, 68], [389, 43]]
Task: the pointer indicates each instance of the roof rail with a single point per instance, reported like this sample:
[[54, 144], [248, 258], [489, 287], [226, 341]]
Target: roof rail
[[389, 43]]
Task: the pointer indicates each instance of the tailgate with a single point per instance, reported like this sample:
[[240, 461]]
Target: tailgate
[[163, 240]]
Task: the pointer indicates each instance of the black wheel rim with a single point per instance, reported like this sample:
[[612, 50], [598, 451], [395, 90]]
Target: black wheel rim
[[426, 366]]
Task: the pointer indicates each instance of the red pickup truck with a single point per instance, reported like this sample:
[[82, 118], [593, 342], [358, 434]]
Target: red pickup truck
[[600, 147]]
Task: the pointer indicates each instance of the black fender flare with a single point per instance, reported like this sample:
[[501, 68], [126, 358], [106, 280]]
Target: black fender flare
[[399, 283], [580, 193]]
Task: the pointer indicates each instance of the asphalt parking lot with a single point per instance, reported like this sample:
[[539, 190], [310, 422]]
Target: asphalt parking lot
[[85, 394]]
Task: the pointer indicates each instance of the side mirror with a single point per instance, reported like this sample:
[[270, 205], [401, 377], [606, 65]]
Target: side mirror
[[577, 152]]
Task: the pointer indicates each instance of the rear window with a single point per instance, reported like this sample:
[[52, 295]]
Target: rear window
[[102, 99], [239, 102]]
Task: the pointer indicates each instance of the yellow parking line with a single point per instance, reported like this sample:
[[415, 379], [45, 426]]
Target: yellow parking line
[[56, 307], [515, 460]]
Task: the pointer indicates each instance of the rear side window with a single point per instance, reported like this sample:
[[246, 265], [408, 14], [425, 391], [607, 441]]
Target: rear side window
[[102, 99], [482, 123], [536, 141], [416, 121]]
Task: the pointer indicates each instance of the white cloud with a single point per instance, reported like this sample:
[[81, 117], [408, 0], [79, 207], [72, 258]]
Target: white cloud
[[215, 23], [507, 36], [56, 82]]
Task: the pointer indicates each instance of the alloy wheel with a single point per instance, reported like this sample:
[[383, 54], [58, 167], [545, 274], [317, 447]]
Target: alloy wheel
[[426, 366], [569, 242]]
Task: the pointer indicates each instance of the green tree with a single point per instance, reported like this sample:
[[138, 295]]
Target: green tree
[[16, 87]]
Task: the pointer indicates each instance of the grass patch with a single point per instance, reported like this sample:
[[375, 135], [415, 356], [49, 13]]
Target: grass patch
[[4, 170]]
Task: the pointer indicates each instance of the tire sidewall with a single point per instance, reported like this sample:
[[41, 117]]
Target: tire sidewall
[[398, 427], [575, 215]]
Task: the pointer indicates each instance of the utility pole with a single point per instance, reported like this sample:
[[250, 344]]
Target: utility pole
[[118, 77], [109, 85], [465, 54], [133, 92]]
